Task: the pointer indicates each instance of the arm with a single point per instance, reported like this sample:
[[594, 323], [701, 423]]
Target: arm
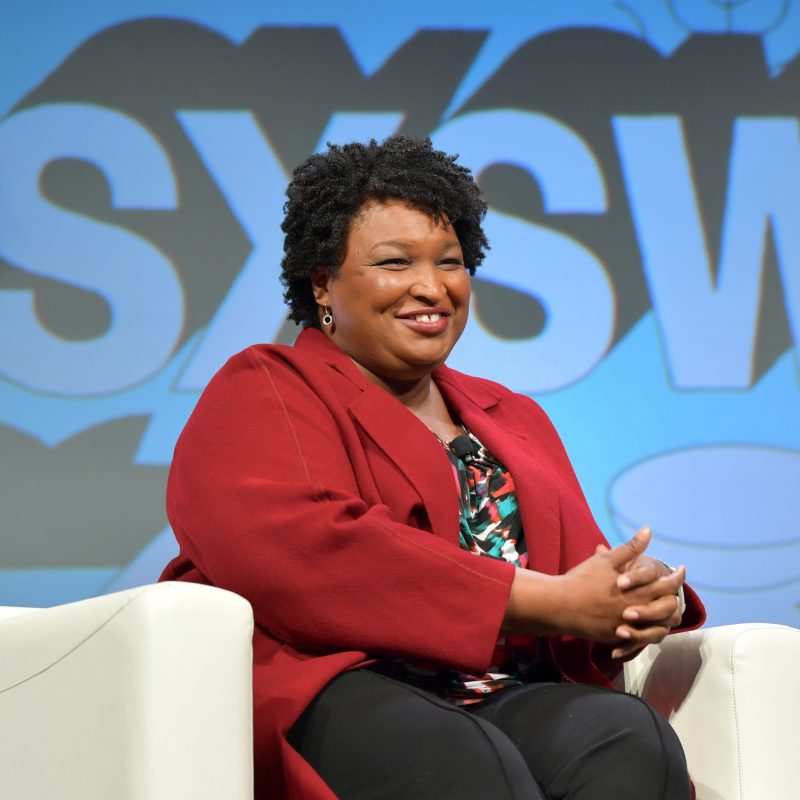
[[264, 501], [644, 622], [592, 601]]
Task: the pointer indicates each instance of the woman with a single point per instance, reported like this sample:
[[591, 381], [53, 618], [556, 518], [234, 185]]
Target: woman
[[402, 530]]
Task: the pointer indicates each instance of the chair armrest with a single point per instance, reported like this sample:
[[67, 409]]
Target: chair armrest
[[144, 694], [6, 612], [733, 696]]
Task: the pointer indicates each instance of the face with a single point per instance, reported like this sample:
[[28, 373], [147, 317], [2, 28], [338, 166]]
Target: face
[[400, 299]]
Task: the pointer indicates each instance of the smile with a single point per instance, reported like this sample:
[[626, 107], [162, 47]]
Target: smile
[[427, 317], [431, 324]]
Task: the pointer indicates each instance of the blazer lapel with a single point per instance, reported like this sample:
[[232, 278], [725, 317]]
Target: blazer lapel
[[489, 414], [415, 450]]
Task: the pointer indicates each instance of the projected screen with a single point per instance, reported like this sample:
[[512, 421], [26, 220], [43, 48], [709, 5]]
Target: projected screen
[[642, 167]]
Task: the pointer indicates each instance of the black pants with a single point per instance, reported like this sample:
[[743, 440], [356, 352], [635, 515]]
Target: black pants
[[370, 737]]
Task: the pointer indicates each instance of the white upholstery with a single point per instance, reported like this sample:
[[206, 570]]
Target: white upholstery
[[146, 695], [140, 695], [733, 695]]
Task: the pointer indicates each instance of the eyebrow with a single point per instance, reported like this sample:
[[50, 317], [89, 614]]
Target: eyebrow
[[404, 245]]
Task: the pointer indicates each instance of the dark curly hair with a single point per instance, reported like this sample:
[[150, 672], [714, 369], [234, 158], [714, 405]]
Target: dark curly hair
[[328, 190]]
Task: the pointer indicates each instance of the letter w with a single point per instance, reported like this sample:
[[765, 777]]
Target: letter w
[[710, 326]]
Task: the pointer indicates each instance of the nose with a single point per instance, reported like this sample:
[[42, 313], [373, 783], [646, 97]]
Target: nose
[[428, 284]]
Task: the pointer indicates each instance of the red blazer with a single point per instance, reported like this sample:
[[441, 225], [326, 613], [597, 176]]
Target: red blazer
[[305, 488]]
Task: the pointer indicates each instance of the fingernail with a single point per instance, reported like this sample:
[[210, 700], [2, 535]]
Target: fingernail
[[616, 652], [623, 633], [629, 613], [623, 581]]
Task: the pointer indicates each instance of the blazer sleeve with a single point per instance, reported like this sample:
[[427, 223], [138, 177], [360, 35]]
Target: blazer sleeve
[[264, 501], [579, 659]]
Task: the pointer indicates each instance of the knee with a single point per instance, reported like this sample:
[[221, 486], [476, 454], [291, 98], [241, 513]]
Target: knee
[[472, 759], [633, 730], [456, 739]]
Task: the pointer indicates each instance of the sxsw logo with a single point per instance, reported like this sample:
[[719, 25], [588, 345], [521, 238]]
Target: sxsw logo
[[143, 183], [147, 185]]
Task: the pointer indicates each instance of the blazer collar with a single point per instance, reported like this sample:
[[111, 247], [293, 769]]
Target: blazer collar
[[483, 394]]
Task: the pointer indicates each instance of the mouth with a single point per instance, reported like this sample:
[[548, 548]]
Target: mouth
[[426, 317], [425, 314], [430, 321]]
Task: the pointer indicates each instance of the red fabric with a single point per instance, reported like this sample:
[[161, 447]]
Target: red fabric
[[308, 490]]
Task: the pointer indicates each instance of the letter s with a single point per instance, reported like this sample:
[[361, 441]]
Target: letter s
[[135, 278], [569, 280]]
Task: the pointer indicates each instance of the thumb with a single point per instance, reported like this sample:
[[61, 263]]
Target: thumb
[[623, 553]]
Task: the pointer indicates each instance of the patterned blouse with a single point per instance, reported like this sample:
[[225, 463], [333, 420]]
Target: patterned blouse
[[490, 526]]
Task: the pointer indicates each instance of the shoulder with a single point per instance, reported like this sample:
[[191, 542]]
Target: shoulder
[[293, 376], [277, 361], [258, 380], [260, 356], [247, 369]]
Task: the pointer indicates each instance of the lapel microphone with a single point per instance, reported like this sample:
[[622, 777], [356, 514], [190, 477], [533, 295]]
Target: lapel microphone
[[463, 447]]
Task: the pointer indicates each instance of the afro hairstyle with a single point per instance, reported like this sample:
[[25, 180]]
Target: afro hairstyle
[[329, 189]]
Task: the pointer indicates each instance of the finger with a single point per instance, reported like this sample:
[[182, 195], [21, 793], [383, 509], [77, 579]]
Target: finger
[[651, 634], [639, 574], [623, 553], [668, 622], [601, 548], [627, 650], [660, 610], [673, 582], [660, 587]]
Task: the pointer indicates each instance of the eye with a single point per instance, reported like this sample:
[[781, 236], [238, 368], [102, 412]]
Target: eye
[[396, 262], [451, 263]]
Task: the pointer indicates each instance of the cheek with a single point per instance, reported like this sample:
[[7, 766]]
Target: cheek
[[387, 289], [460, 291]]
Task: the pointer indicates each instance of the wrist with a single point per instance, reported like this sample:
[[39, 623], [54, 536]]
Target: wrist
[[535, 604]]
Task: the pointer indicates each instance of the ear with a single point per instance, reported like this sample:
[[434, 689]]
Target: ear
[[320, 282]]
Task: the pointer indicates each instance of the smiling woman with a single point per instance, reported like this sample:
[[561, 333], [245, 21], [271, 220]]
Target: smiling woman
[[400, 298], [438, 614]]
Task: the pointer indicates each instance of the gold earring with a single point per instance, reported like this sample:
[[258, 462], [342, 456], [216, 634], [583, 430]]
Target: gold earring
[[327, 319]]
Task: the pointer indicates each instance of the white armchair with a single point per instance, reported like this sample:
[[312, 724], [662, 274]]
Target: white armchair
[[140, 695], [733, 695], [146, 695]]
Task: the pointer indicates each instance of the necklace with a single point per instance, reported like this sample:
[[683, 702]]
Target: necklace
[[445, 444]]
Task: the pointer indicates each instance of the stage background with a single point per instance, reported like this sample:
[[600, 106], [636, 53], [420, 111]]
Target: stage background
[[642, 164]]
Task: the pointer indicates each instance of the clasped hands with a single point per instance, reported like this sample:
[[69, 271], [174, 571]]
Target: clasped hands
[[618, 596], [642, 603]]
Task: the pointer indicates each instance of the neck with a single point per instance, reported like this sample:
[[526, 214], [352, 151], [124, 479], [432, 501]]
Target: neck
[[415, 393], [421, 396]]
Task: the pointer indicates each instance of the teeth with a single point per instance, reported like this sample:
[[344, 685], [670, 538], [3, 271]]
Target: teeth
[[427, 317]]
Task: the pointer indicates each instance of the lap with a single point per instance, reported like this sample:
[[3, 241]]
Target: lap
[[569, 734], [369, 736]]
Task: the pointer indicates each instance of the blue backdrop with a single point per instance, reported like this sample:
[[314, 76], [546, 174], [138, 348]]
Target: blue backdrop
[[641, 160]]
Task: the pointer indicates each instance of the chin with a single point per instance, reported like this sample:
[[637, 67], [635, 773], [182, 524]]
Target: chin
[[419, 366]]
